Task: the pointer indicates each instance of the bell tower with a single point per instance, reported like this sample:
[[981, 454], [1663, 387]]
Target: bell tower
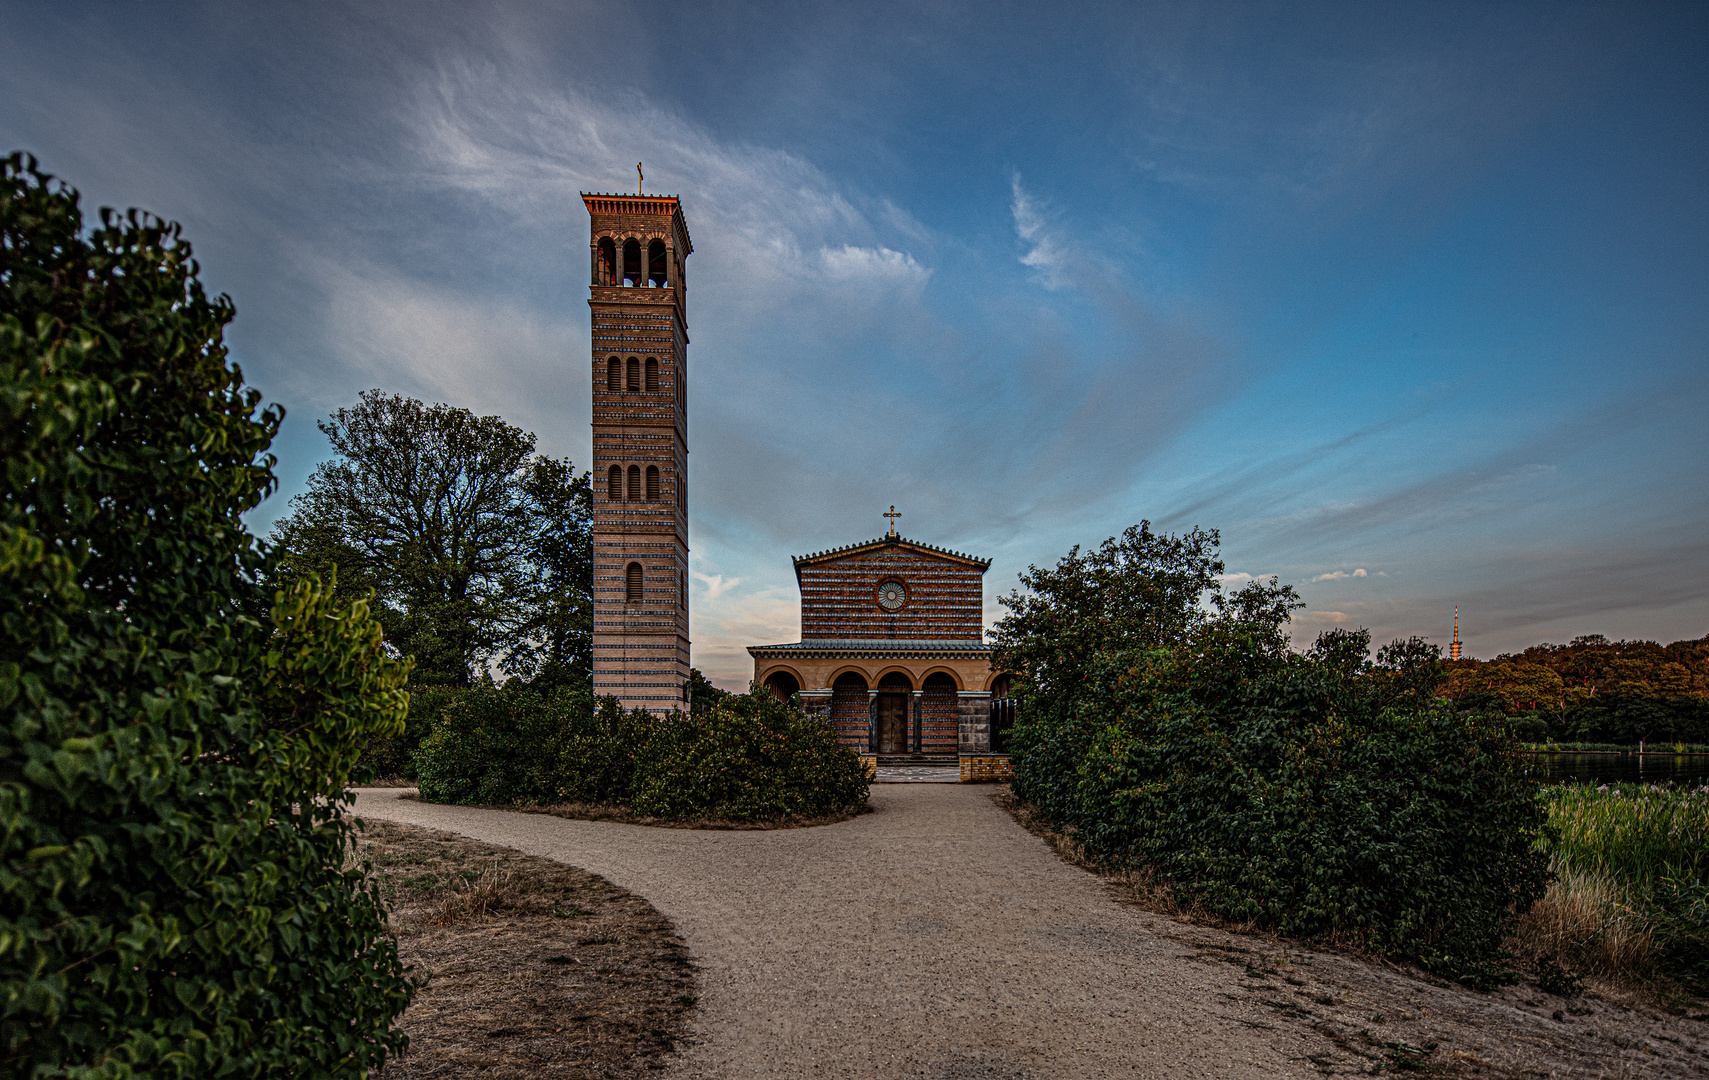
[[638, 245]]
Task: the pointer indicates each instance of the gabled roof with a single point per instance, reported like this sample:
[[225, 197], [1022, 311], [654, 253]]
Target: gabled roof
[[884, 542]]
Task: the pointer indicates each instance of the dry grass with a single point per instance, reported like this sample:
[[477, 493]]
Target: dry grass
[[528, 968], [1584, 925]]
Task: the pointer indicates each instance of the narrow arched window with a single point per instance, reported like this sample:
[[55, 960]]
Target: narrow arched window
[[652, 483], [605, 266], [634, 483], [652, 373], [613, 375], [656, 264], [634, 374], [632, 268], [614, 484], [632, 592]]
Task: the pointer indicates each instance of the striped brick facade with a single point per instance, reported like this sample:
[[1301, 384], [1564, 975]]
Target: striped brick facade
[[640, 449], [920, 662], [944, 598]]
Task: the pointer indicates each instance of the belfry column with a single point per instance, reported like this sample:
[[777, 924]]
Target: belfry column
[[640, 535]]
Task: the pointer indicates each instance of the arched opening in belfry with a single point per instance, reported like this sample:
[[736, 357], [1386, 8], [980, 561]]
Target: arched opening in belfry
[[656, 264], [782, 685], [895, 694], [632, 268], [632, 584], [850, 710], [614, 375], [634, 373], [652, 483], [605, 266], [652, 373], [614, 484], [634, 483]]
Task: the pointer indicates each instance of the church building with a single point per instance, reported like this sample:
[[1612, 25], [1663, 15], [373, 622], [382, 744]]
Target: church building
[[892, 650]]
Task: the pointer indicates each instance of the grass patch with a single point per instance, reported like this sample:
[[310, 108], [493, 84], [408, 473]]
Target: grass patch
[[527, 967], [1629, 909]]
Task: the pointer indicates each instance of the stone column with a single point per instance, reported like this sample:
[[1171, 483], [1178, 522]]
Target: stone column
[[919, 723], [817, 703], [973, 709]]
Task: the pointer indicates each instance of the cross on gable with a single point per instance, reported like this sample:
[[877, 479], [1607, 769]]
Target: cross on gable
[[893, 515]]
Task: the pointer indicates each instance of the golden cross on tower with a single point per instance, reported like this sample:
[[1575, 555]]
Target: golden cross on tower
[[893, 515], [638, 178]]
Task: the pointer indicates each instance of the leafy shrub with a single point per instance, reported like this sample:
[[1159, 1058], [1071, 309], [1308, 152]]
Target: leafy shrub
[[498, 744], [394, 755], [1309, 794], [174, 746], [750, 758]]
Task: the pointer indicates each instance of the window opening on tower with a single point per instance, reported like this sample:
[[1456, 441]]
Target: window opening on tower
[[634, 483], [614, 484], [652, 373], [634, 373], [656, 264], [631, 262], [652, 483], [614, 375], [632, 592], [605, 267]]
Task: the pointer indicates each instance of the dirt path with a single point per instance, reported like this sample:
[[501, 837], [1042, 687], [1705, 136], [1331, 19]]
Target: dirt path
[[937, 938]]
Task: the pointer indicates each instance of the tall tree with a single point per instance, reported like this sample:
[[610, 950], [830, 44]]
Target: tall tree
[[469, 540], [1141, 590], [550, 642]]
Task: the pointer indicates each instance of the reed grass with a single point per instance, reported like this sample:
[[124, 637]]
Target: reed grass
[[1630, 905]]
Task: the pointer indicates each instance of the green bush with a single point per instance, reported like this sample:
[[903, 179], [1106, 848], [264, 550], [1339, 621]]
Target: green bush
[[174, 900], [750, 758], [498, 744], [393, 755], [1312, 794]]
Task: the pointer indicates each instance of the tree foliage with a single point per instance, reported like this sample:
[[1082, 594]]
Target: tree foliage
[[1172, 729], [174, 899], [477, 549], [1593, 690]]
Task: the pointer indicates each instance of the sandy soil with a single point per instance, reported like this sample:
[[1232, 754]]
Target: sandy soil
[[938, 938]]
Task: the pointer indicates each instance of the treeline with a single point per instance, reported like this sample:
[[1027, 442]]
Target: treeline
[[1593, 690]]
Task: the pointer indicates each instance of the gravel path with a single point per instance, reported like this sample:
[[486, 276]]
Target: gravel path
[[932, 938]]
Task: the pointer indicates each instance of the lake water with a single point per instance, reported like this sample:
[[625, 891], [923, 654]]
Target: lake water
[[1622, 768]]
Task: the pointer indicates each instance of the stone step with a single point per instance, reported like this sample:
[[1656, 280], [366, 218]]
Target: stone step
[[888, 760]]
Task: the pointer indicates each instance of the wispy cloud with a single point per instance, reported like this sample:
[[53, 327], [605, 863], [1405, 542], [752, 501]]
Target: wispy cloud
[[1046, 254]]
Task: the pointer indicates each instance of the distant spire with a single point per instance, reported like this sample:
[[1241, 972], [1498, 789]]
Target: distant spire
[[1454, 646]]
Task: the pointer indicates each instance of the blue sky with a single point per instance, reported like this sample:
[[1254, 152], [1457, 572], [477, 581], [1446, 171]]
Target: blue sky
[[1410, 301]]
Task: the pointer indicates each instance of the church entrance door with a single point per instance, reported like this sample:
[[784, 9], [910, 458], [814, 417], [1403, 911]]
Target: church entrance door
[[893, 723]]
